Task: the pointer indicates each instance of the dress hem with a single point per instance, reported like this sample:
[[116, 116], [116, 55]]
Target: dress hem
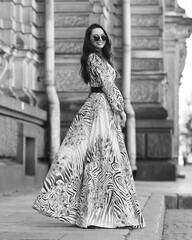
[[87, 227]]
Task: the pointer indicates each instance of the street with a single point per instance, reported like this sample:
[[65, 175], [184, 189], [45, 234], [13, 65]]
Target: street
[[19, 221]]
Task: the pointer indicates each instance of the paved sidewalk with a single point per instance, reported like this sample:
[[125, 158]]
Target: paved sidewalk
[[19, 221], [178, 224]]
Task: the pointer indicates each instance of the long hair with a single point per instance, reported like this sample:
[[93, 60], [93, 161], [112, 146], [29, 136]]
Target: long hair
[[88, 48]]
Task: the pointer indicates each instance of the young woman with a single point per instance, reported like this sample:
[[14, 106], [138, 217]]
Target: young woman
[[90, 181]]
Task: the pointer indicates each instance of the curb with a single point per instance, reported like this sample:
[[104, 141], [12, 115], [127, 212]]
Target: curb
[[154, 212], [178, 201]]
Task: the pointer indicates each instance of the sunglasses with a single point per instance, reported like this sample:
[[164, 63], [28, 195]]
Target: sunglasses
[[98, 38]]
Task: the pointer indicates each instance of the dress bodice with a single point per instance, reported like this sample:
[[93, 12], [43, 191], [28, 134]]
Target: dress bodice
[[100, 68], [102, 74]]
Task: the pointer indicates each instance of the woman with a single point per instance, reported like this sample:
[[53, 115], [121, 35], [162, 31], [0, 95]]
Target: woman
[[90, 181]]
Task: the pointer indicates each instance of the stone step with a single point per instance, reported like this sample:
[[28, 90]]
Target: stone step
[[177, 201], [154, 215]]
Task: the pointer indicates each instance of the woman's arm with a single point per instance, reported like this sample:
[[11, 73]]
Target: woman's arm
[[99, 70]]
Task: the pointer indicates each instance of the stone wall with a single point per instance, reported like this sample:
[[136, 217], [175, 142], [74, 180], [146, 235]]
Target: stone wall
[[148, 82], [158, 33], [153, 80], [18, 46], [177, 29], [155, 84], [71, 20], [23, 147]]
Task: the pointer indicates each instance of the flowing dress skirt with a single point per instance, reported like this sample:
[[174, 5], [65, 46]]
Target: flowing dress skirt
[[90, 181]]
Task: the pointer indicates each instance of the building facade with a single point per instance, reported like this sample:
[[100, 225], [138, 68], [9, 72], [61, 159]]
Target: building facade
[[158, 30]]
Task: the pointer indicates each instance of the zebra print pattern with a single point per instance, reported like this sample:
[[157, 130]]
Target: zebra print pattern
[[90, 181]]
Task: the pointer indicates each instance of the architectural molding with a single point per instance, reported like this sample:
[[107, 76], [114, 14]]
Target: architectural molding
[[144, 2], [66, 47], [147, 64], [146, 43], [20, 110], [71, 20], [146, 20]]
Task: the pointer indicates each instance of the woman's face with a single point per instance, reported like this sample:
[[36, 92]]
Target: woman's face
[[98, 38]]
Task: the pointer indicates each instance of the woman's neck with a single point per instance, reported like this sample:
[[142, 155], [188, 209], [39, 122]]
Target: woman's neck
[[99, 51]]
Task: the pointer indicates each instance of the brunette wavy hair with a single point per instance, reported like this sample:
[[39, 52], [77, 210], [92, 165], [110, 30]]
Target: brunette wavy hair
[[88, 48]]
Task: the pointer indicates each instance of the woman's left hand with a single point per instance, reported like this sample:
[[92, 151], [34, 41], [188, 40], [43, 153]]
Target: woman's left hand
[[123, 118]]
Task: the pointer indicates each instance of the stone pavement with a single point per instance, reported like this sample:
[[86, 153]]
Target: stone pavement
[[19, 221], [178, 224]]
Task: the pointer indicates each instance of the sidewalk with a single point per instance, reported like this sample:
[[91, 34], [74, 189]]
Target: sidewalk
[[19, 221]]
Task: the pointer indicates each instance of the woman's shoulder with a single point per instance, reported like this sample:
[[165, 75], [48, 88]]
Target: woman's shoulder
[[93, 57]]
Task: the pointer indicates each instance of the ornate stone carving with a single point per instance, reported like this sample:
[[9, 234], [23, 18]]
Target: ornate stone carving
[[62, 20], [144, 2], [68, 47], [146, 21], [69, 80], [172, 31], [182, 56], [159, 145], [145, 43], [147, 64], [144, 91]]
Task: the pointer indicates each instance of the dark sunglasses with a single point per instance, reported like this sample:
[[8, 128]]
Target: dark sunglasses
[[98, 37]]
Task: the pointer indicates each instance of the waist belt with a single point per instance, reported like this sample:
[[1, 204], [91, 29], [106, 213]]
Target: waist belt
[[96, 89]]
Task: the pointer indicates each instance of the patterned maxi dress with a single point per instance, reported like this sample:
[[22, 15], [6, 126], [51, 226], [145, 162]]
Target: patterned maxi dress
[[90, 181]]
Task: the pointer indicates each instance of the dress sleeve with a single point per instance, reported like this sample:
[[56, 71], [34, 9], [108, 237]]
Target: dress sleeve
[[101, 71]]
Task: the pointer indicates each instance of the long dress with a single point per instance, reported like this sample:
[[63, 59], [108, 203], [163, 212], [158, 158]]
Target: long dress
[[90, 181]]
